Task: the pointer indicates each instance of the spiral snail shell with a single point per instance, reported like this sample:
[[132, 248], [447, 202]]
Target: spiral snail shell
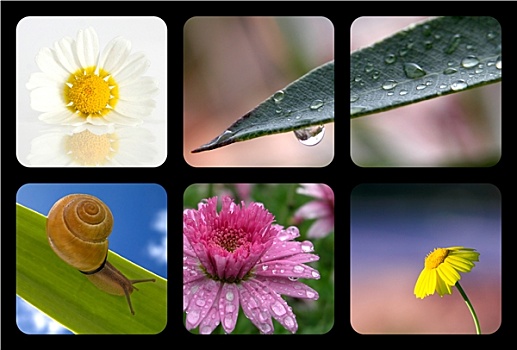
[[78, 226]]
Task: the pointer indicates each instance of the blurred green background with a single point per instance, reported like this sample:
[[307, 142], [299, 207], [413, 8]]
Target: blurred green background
[[313, 317]]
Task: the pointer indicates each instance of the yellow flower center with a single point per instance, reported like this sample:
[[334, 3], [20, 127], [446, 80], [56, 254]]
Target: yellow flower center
[[435, 258], [89, 149], [91, 93]]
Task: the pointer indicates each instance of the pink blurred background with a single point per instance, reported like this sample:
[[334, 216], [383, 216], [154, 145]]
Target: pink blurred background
[[232, 64], [461, 129]]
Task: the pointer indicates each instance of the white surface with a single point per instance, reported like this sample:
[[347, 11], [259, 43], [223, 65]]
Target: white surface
[[147, 34]]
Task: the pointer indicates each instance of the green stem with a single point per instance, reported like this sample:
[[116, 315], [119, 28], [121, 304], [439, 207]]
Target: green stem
[[469, 305]]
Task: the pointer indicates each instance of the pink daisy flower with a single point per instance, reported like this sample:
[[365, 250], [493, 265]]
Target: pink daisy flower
[[321, 209], [238, 257]]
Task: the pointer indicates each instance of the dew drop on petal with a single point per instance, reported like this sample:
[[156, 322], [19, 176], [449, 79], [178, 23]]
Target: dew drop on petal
[[310, 294], [289, 322], [200, 302], [205, 330], [193, 316], [307, 247], [228, 321], [298, 269], [265, 328], [264, 267], [278, 308], [229, 296], [315, 274]]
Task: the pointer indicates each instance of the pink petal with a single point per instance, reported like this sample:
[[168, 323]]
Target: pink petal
[[321, 227], [201, 302], [229, 306], [255, 307], [286, 269], [289, 287]]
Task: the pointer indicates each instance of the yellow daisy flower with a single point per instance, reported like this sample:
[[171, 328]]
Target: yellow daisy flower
[[441, 270], [77, 86]]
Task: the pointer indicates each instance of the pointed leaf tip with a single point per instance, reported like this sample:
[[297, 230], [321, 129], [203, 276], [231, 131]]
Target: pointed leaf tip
[[306, 102]]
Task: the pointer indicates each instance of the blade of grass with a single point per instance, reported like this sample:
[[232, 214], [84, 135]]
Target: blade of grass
[[65, 295]]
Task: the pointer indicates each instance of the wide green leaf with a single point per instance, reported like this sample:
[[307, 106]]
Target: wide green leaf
[[433, 58], [64, 294], [306, 102]]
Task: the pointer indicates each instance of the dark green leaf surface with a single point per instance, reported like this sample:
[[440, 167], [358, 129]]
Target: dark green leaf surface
[[305, 102], [433, 58]]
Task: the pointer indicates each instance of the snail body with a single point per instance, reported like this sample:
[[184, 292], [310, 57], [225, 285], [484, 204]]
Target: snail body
[[78, 226]]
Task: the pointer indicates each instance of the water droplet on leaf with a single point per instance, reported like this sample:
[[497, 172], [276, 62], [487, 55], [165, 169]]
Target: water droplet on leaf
[[389, 84], [450, 70], [459, 85], [310, 136], [278, 96], [469, 62], [316, 104], [413, 70], [391, 58], [453, 44]]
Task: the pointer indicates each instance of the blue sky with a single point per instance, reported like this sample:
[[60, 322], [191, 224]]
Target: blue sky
[[139, 233]]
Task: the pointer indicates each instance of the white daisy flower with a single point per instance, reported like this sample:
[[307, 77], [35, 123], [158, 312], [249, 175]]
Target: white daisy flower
[[78, 87], [125, 146]]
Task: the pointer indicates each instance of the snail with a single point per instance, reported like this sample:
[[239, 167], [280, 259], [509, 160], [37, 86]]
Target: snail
[[78, 226]]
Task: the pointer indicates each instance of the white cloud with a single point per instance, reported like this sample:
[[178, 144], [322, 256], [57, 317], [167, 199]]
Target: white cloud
[[158, 251], [32, 321]]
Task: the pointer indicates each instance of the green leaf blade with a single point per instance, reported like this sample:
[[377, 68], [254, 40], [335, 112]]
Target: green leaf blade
[[306, 102], [454, 54], [65, 295]]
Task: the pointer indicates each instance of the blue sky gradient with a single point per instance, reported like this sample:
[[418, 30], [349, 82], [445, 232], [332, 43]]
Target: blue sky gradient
[[139, 233]]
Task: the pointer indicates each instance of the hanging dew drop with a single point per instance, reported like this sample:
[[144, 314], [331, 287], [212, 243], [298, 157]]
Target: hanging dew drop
[[278, 96], [310, 136], [499, 63]]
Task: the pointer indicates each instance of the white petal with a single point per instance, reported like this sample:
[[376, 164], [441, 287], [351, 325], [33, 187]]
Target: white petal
[[62, 116], [65, 54], [117, 118], [40, 79], [45, 99], [48, 149], [142, 89], [87, 47], [136, 65], [115, 55], [47, 62], [139, 109]]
